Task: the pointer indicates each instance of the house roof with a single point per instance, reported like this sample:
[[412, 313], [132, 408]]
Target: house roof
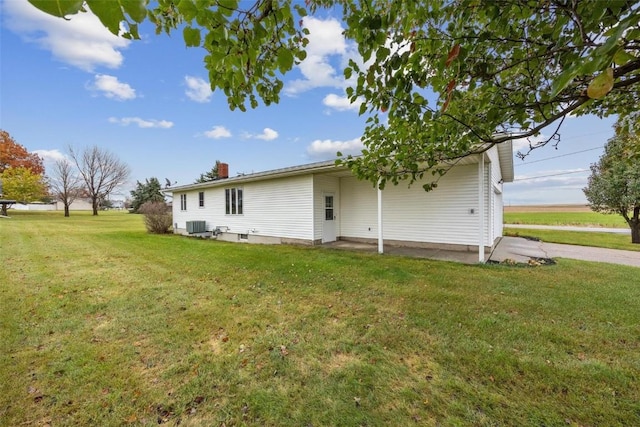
[[505, 157], [328, 165]]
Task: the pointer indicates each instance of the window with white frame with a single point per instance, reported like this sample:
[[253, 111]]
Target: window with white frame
[[233, 201], [201, 199], [183, 202]]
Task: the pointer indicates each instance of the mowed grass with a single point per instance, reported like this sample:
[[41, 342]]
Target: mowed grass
[[103, 324], [570, 218], [587, 238], [583, 219]]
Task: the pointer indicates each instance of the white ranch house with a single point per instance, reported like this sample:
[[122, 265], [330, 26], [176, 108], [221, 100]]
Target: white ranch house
[[319, 203]]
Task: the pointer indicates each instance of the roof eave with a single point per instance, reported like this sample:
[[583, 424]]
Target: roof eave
[[271, 174]]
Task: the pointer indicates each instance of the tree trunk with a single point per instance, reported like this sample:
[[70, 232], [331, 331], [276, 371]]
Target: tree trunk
[[94, 203], [66, 209], [4, 210]]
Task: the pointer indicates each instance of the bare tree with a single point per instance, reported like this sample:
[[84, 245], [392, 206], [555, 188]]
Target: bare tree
[[101, 171], [64, 183]]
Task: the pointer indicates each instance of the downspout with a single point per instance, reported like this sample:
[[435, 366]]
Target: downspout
[[380, 234], [481, 209]]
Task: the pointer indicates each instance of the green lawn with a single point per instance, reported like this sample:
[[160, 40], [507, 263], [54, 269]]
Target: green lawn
[[103, 324], [587, 238], [586, 219]]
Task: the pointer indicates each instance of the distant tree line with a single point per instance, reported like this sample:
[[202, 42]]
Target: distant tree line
[[92, 173]]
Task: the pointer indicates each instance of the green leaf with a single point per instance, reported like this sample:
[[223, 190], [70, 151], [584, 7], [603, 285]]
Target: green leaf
[[191, 36], [375, 22], [285, 60], [563, 80], [188, 9], [110, 16], [59, 8], [622, 57], [230, 5], [601, 85], [135, 9]]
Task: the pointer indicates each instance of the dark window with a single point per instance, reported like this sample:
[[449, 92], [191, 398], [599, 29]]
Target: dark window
[[233, 201], [328, 208], [201, 199]]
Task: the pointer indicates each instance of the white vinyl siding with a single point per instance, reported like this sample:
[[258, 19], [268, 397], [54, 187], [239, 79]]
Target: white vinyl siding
[[276, 208], [442, 215], [358, 209], [293, 207]]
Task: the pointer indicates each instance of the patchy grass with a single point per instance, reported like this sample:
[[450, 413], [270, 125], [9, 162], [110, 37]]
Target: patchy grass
[[103, 324], [587, 238], [584, 219]]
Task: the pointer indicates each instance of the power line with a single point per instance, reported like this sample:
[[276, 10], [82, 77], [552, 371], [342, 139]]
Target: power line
[[553, 174], [561, 155]]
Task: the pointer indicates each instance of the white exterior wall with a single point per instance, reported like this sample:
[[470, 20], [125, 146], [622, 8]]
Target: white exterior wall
[[411, 214], [293, 207], [34, 207], [323, 184], [358, 209], [275, 208]]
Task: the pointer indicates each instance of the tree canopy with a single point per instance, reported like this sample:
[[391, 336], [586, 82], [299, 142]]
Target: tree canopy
[[22, 184], [211, 175], [101, 171], [614, 184], [436, 80], [149, 191], [14, 155], [64, 183]]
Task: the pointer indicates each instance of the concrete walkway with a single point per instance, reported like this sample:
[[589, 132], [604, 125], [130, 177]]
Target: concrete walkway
[[571, 228], [522, 250], [517, 249]]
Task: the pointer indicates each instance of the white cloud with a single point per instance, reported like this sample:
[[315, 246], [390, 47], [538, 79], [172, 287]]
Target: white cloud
[[51, 156], [267, 134], [520, 144], [126, 121], [81, 40], [218, 132], [341, 103], [327, 149], [112, 88], [198, 90], [325, 40]]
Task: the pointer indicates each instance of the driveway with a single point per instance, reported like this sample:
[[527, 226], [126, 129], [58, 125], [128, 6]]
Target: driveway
[[522, 250]]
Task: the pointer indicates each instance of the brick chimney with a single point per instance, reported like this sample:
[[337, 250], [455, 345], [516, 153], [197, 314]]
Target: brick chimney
[[223, 171]]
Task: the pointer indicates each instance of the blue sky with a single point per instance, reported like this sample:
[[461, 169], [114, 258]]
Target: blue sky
[[72, 83]]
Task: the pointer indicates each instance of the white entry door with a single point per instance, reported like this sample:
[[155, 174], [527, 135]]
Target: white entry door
[[329, 223]]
